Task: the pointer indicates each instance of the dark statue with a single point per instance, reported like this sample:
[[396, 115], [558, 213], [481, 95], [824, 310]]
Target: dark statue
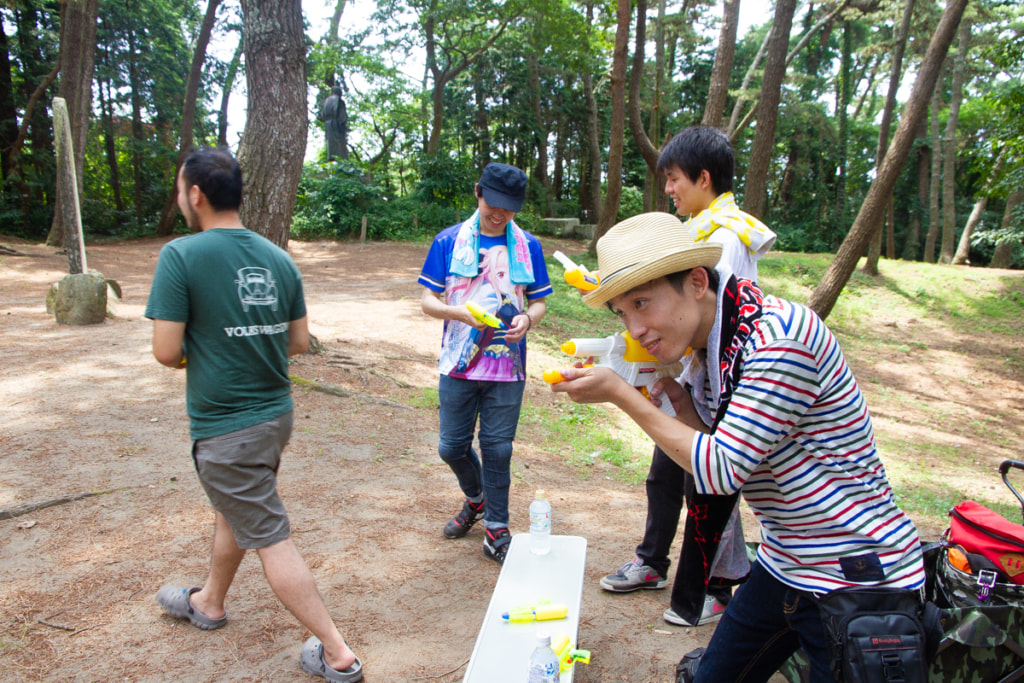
[[335, 119]]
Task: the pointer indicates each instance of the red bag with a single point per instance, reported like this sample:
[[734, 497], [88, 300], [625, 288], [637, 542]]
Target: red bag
[[980, 530]]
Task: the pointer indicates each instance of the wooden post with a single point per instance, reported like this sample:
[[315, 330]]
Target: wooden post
[[71, 214], [362, 230]]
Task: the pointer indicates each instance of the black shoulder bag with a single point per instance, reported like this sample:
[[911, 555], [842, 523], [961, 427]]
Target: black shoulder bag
[[879, 633]]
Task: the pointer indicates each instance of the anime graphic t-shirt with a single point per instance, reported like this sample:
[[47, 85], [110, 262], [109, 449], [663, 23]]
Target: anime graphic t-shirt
[[483, 355]]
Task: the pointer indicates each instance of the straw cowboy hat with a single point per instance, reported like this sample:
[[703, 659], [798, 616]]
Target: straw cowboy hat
[[644, 248]]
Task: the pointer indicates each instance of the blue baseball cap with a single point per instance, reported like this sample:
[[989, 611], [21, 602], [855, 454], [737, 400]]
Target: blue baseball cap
[[503, 186]]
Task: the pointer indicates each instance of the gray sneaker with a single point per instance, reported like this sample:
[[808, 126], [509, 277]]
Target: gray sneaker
[[632, 576]]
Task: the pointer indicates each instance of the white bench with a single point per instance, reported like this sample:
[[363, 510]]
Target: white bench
[[502, 651]]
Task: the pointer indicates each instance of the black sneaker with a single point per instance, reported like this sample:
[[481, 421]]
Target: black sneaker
[[459, 525], [496, 543]]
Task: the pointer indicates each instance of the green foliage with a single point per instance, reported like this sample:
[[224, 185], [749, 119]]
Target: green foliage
[[632, 202], [446, 180], [513, 86], [332, 199]]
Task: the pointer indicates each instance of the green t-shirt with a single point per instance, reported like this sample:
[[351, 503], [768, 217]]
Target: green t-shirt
[[237, 292]]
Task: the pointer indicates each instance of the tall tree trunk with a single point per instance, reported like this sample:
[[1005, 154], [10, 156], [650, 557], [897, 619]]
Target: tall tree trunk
[[558, 178], [895, 72], [755, 191], [28, 119], [592, 181], [890, 244], [135, 84], [540, 133], [444, 73], [842, 111], [188, 114], [110, 147], [868, 93], [1003, 256], [613, 193], [77, 58], [655, 180], [838, 273], [949, 147], [735, 125], [8, 111], [963, 249], [274, 141], [935, 186], [38, 75], [229, 83], [718, 91], [636, 125], [481, 122], [331, 77]]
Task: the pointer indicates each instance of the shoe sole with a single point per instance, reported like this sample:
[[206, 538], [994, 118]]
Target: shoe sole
[[704, 621], [653, 585]]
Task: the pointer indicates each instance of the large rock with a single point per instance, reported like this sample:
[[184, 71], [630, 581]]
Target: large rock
[[585, 230], [80, 299], [561, 227]]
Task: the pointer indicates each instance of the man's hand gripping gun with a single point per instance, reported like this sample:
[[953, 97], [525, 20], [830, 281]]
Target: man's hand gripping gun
[[484, 317], [627, 358]]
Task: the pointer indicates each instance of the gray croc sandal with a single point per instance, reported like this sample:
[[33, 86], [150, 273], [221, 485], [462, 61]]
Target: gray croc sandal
[[176, 602], [313, 662]]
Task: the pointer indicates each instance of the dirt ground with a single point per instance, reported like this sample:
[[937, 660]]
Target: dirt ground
[[88, 410]]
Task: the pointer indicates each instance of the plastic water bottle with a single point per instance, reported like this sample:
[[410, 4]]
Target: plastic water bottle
[[540, 524], [544, 667]]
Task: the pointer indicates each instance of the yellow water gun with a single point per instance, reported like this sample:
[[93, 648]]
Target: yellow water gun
[[577, 275], [567, 654], [482, 316], [626, 357]]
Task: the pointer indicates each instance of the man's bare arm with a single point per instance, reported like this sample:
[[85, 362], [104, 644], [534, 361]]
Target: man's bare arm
[[298, 336], [168, 340]]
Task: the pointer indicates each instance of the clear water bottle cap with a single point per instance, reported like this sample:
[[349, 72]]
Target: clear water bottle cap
[[539, 495], [543, 638]]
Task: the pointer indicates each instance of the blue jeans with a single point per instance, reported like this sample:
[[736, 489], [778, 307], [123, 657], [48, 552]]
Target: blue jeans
[[497, 404], [765, 622]]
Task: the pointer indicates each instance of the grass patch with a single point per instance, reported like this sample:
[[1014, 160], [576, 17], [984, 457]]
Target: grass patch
[[427, 398], [583, 433], [901, 314], [964, 299]]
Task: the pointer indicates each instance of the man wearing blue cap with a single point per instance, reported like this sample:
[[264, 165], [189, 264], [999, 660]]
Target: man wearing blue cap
[[490, 261]]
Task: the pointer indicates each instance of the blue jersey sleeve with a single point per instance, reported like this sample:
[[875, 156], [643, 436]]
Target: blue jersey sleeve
[[541, 286], [435, 267]]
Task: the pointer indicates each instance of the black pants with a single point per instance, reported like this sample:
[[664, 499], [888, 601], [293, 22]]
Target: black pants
[[668, 485]]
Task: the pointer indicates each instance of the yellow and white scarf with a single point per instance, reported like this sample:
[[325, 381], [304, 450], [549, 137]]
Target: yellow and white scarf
[[723, 213]]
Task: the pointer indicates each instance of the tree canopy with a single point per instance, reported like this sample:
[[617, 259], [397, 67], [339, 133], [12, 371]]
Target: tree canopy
[[434, 90]]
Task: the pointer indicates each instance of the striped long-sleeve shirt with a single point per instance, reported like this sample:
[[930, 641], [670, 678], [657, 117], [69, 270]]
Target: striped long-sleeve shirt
[[796, 438]]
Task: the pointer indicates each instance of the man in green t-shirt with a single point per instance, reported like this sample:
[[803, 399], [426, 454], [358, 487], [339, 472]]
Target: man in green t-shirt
[[231, 302]]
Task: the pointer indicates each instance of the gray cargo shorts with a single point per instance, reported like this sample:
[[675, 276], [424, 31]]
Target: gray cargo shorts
[[238, 471]]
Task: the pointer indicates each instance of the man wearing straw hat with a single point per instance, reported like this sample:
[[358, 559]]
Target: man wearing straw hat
[[779, 418], [699, 164]]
